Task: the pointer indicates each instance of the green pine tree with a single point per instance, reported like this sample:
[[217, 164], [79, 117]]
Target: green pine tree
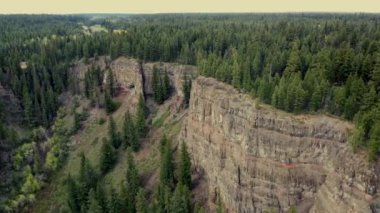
[[375, 75], [167, 166], [166, 87], [133, 182], [186, 89], [77, 122], [130, 133], [185, 167], [93, 204], [101, 195], [72, 194], [156, 85], [236, 73], [141, 202], [294, 61], [111, 83], [114, 202], [374, 142], [180, 202], [140, 117], [27, 104], [87, 179], [107, 158], [164, 198], [113, 134]]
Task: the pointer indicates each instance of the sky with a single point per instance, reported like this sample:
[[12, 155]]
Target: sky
[[185, 6]]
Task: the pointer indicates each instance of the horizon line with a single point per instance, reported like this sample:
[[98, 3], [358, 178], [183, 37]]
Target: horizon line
[[193, 12]]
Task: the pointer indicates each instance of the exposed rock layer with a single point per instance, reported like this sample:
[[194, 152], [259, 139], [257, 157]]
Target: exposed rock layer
[[262, 159], [135, 78]]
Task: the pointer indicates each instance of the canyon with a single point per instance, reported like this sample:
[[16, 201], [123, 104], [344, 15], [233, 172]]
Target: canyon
[[255, 158]]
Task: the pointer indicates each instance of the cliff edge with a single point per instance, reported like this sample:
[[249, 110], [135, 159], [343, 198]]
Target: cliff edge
[[257, 158]]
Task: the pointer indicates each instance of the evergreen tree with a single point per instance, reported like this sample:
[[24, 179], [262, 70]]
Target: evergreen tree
[[236, 73], [161, 86], [27, 103], [101, 196], [156, 85], [166, 87], [185, 167], [93, 204], [316, 98], [374, 142], [72, 195], [247, 79], [111, 83], [114, 202], [167, 166], [294, 63], [133, 182], [164, 198], [375, 75], [180, 202], [44, 110], [109, 103], [130, 133], [369, 99], [186, 89], [141, 202], [37, 110], [113, 134], [87, 180], [140, 118], [107, 158], [77, 121], [86, 53]]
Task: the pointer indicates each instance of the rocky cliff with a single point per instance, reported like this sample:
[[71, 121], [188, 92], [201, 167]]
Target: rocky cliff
[[261, 159], [134, 78], [175, 73]]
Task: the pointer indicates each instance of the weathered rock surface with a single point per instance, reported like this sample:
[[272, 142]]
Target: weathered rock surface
[[135, 78], [128, 77], [126, 71], [262, 159], [175, 73]]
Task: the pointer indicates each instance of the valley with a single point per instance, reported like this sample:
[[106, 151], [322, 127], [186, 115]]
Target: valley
[[180, 113]]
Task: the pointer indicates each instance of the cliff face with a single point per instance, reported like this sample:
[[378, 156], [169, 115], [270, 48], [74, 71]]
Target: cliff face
[[175, 73], [258, 158], [134, 78], [128, 77]]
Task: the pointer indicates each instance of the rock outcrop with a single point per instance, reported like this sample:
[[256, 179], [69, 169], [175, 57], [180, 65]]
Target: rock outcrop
[[135, 78], [260, 159], [128, 77], [176, 74], [126, 71]]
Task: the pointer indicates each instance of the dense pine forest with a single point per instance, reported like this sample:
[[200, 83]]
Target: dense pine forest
[[300, 63]]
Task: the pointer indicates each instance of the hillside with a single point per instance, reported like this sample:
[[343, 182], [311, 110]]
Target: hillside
[[165, 119], [270, 160]]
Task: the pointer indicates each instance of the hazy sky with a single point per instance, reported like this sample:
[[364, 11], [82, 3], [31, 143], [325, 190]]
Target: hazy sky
[[169, 6]]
